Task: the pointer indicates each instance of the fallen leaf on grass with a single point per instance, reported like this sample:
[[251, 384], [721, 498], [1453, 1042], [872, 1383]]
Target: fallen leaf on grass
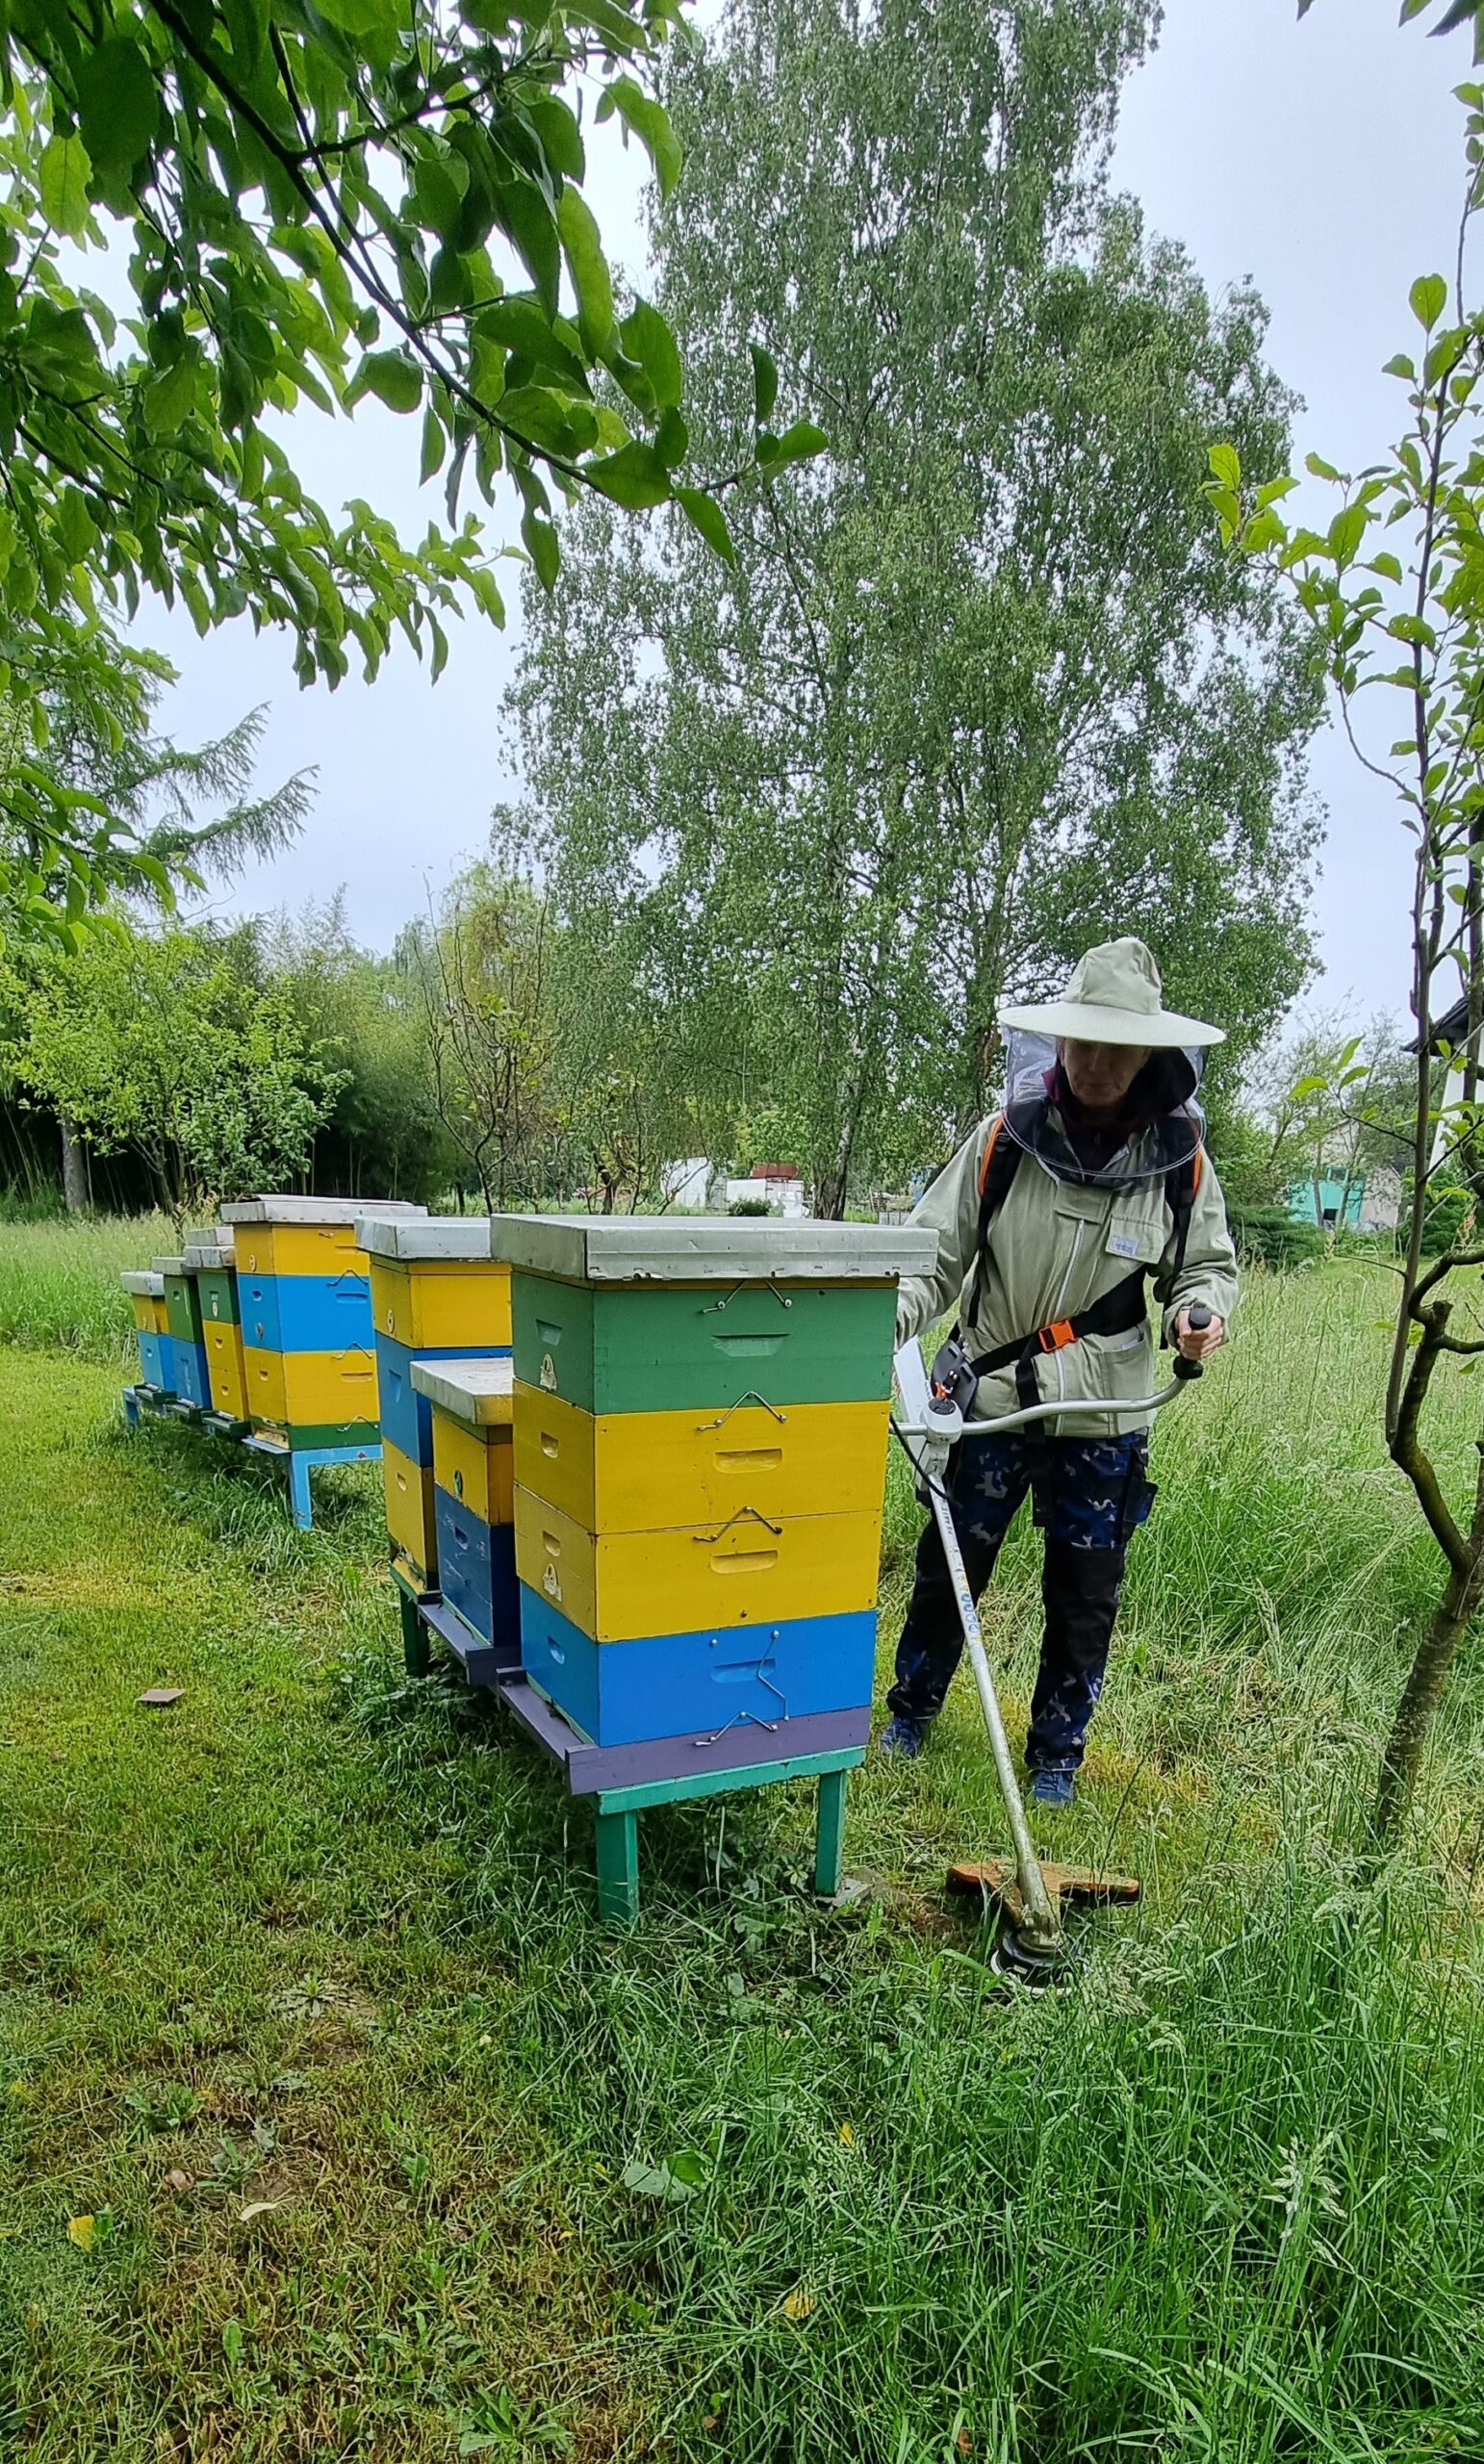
[[176, 2180], [679, 2179], [257, 2207], [798, 2304], [847, 2135], [20, 2089], [83, 2230]]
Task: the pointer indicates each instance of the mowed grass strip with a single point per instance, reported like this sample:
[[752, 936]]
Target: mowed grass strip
[[390, 2154]]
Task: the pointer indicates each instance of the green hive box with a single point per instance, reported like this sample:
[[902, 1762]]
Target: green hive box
[[645, 1313]]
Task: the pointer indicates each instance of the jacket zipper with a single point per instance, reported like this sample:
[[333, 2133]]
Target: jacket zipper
[[1061, 1304]]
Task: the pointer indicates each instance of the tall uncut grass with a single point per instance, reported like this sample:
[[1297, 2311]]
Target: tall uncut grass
[[59, 1281]]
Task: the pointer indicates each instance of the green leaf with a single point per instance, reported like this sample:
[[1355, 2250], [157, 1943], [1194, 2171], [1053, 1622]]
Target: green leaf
[[672, 439], [434, 443], [1428, 298], [117, 105], [704, 514], [353, 17], [526, 218], [393, 376], [540, 541], [1387, 565], [1401, 366], [1413, 629], [1225, 465], [1319, 469], [797, 443], [677, 2181], [1345, 534], [539, 415], [765, 384], [649, 123], [588, 267], [647, 338], [65, 174], [169, 398], [561, 139], [634, 477], [523, 325]]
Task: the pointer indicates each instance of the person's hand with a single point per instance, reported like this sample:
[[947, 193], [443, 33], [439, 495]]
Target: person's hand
[[1197, 1343]]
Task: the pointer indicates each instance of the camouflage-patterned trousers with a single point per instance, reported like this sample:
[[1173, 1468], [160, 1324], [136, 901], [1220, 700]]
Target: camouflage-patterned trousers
[[1089, 1495]]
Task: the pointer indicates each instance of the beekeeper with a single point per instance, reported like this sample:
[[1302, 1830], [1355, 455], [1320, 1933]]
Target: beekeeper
[[1052, 1219]]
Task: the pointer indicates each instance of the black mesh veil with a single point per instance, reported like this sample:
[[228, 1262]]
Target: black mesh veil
[[1163, 1122]]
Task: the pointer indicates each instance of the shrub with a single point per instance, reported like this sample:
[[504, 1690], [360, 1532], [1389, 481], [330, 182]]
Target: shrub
[[1271, 1234]]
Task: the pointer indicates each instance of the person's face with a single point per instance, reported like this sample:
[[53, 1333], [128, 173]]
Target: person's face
[[1101, 1074]]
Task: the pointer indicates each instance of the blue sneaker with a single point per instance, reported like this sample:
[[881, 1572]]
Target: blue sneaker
[[1057, 1789], [903, 1738]]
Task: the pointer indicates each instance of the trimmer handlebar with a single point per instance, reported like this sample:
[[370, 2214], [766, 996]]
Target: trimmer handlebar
[[936, 1423]]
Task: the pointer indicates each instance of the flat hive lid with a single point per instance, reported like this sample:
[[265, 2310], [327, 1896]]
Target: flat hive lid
[[225, 1236], [715, 1249], [137, 1279], [206, 1257], [476, 1392], [168, 1265], [314, 1210], [425, 1236]]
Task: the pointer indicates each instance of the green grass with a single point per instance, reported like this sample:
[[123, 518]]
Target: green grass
[[59, 1281], [301, 1995]]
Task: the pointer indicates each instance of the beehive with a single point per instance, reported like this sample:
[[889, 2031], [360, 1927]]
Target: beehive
[[152, 1330], [474, 1494], [304, 1303], [183, 1317], [436, 1295], [701, 1434], [213, 1265]]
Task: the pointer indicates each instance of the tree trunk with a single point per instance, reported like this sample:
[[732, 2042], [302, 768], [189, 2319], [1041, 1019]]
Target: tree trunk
[[1402, 1759], [74, 1169]]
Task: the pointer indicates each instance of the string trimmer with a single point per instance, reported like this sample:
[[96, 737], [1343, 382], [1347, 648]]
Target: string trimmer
[[1028, 1895]]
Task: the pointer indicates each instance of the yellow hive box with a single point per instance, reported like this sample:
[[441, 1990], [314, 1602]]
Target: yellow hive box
[[633, 1470], [434, 1304], [409, 1494], [476, 1466], [225, 1367], [301, 1235], [295, 1248], [617, 1586], [146, 1309], [311, 1389]]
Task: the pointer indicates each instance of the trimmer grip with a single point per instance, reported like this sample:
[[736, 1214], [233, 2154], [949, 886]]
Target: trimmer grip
[[1200, 1316]]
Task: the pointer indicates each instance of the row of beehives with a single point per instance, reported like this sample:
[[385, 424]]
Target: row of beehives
[[642, 1463]]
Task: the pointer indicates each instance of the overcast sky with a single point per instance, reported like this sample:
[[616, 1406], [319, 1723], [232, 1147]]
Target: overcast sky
[[1320, 160]]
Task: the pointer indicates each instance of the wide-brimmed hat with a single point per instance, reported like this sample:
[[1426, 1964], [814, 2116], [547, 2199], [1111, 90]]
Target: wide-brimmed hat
[[1114, 996]]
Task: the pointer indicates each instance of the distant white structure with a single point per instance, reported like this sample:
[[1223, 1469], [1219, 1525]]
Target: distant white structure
[[689, 1182], [781, 1184]]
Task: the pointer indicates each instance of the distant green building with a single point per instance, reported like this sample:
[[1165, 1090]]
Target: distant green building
[[1332, 1205]]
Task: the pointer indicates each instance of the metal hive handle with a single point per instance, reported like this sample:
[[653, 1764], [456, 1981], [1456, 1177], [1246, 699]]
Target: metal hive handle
[[751, 1397]]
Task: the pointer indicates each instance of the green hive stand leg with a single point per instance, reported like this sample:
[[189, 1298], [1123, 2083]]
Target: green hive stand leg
[[299, 1493], [415, 1650], [830, 1834], [618, 1868]]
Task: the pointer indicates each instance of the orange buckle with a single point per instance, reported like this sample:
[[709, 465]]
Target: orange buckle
[[1055, 1337]]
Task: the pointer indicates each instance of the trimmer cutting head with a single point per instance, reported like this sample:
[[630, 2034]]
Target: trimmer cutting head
[[1018, 1950]]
